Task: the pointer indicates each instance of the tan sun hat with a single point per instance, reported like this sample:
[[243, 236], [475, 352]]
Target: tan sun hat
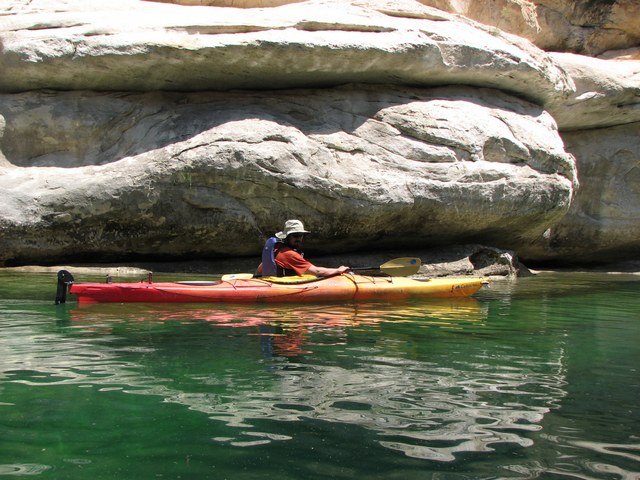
[[291, 226]]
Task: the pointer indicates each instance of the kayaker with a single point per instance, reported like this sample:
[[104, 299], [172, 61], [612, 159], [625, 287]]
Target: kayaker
[[282, 255]]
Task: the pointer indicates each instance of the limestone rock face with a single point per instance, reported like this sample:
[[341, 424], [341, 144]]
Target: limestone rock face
[[604, 220], [601, 123], [213, 174], [233, 3], [584, 27], [606, 94], [169, 47], [194, 128]]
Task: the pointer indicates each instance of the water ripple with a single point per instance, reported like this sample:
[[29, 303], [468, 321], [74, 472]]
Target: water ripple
[[23, 469], [427, 414], [423, 409]]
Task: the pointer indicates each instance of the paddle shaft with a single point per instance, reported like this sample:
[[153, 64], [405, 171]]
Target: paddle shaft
[[399, 267]]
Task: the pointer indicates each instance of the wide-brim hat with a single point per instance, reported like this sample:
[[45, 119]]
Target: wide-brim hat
[[291, 226]]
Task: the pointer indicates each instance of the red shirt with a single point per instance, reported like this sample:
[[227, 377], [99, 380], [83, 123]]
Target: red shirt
[[289, 259]]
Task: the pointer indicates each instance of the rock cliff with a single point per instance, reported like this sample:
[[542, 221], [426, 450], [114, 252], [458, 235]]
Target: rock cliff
[[133, 129]]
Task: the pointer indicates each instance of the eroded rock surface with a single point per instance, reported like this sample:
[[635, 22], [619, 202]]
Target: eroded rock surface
[[585, 27], [193, 129], [213, 174]]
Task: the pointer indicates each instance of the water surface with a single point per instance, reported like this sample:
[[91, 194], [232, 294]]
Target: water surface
[[535, 378]]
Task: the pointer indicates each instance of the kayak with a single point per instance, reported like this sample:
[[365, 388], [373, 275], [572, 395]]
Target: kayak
[[345, 287]]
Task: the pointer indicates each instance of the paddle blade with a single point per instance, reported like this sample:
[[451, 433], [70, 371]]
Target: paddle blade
[[401, 267]]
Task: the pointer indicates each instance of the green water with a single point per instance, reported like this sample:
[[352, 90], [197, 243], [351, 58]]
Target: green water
[[530, 379]]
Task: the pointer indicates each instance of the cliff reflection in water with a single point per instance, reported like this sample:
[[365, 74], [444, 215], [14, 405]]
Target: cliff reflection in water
[[429, 379]]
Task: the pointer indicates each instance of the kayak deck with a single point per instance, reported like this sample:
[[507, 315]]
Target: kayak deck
[[338, 288]]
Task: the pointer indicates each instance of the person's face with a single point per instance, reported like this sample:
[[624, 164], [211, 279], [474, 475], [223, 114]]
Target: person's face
[[295, 240]]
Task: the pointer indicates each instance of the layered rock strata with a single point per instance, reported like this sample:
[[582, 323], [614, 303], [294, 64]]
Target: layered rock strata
[[195, 131]]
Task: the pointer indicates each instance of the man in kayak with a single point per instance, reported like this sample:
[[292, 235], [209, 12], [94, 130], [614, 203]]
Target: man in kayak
[[282, 255]]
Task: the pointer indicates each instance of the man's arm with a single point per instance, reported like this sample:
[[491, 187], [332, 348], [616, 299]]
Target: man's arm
[[326, 272], [292, 260]]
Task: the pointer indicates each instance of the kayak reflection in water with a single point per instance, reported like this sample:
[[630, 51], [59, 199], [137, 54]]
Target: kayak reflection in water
[[282, 255]]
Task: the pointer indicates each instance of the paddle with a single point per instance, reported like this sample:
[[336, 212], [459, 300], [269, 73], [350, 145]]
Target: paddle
[[398, 267]]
